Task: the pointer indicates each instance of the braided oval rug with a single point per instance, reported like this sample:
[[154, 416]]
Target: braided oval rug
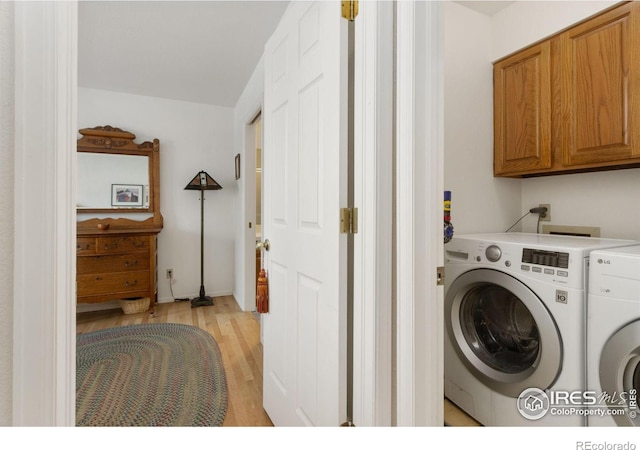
[[160, 374]]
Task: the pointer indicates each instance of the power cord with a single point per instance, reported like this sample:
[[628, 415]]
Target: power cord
[[518, 221], [171, 288], [541, 211]]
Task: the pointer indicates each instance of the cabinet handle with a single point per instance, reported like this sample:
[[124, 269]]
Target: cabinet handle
[[98, 278], [128, 264], [110, 247], [135, 283], [80, 247]]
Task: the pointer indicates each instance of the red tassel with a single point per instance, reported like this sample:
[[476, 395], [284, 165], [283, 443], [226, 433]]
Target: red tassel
[[262, 297]]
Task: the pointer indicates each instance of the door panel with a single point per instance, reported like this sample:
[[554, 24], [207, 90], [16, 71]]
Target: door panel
[[600, 95], [304, 181], [522, 119]]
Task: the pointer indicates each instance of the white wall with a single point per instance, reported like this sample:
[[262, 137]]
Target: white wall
[[603, 199], [248, 106], [525, 22], [480, 202], [193, 137], [7, 123]]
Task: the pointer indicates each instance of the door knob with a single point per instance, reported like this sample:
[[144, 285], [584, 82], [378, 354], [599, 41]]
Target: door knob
[[263, 244]]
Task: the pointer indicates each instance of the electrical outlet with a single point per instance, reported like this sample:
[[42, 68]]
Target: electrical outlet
[[546, 217], [169, 273]]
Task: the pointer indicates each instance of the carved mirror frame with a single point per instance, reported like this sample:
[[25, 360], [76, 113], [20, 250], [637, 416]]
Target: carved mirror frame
[[111, 140]]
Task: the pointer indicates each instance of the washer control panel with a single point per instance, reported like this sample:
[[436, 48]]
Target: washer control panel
[[547, 264], [493, 253], [552, 263], [545, 258], [559, 260]]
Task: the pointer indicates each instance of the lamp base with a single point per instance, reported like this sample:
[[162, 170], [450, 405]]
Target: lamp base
[[201, 301]]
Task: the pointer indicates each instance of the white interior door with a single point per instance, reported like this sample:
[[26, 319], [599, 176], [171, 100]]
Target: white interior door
[[305, 140]]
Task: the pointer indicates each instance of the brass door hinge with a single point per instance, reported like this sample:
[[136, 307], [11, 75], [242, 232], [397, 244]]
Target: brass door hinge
[[349, 220], [440, 276], [350, 10]]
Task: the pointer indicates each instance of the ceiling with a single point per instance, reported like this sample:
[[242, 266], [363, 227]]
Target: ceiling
[[488, 8], [195, 51]]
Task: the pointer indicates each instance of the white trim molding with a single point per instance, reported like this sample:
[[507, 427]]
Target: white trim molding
[[373, 196], [419, 192], [45, 217]]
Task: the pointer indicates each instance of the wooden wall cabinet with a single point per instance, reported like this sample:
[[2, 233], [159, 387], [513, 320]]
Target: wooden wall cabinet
[[571, 103], [522, 111]]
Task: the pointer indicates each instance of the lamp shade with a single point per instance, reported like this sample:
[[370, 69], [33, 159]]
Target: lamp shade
[[203, 182]]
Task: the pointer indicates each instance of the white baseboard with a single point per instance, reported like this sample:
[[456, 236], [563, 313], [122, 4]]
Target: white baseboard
[[89, 307], [192, 295]]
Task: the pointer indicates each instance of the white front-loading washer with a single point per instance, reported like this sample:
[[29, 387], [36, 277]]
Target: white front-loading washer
[[515, 324], [613, 337]]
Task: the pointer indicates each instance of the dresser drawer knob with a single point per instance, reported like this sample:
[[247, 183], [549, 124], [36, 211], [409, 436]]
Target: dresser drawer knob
[[129, 264], [110, 247], [98, 278], [135, 283]]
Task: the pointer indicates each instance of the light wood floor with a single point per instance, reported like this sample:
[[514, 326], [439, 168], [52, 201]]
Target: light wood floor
[[455, 417], [237, 334]]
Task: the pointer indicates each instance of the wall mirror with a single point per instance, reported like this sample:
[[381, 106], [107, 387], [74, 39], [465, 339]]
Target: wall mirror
[[117, 175], [104, 180]]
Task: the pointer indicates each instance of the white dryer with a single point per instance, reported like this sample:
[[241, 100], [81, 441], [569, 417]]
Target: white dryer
[[515, 323], [613, 337]]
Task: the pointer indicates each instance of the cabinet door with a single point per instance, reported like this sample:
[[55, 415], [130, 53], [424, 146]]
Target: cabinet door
[[522, 111], [600, 86]]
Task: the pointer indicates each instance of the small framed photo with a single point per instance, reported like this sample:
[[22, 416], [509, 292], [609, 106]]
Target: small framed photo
[[238, 166], [127, 195]]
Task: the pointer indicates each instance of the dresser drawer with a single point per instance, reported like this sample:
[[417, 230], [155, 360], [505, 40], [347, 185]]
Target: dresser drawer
[[112, 263], [120, 282], [86, 246], [122, 244]]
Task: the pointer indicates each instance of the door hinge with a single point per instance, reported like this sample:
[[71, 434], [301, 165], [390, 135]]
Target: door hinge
[[349, 220], [440, 276], [350, 10]]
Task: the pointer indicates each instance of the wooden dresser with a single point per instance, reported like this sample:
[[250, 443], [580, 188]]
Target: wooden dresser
[[117, 264], [117, 255]]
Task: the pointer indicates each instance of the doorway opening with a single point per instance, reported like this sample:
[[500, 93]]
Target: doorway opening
[[257, 132]]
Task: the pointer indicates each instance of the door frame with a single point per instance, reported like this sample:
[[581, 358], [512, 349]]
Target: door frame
[[418, 230], [44, 307], [373, 196]]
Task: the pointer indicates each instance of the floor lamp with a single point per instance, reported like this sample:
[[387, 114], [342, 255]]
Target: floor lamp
[[202, 182]]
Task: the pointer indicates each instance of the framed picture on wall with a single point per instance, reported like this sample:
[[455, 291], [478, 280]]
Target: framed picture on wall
[[127, 195], [238, 166]]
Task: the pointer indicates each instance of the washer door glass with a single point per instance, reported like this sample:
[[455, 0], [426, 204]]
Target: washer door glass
[[620, 371], [502, 332], [499, 328]]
